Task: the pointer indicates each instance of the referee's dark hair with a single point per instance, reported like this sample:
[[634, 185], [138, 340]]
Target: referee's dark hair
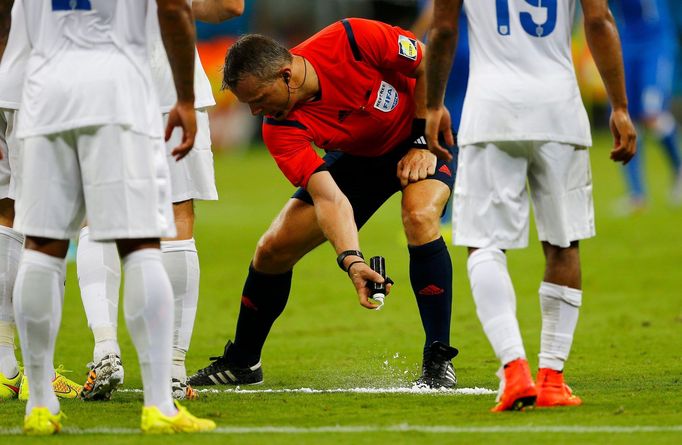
[[254, 55]]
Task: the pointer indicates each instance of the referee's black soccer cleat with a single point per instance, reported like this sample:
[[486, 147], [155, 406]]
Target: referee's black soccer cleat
[[437, 369], [221, 372]]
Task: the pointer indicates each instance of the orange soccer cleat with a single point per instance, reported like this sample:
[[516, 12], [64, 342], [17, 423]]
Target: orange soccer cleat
[[552, 391], [519, 389]]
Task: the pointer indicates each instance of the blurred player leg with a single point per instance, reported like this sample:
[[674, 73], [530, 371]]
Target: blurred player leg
[[99, 278], [665, 129], [181, 262], [191, 178]]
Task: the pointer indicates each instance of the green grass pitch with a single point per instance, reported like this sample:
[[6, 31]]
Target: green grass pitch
[[626, 361]]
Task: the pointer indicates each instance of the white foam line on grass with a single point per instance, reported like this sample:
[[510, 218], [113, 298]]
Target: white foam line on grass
[[398, 390], [431, 429]]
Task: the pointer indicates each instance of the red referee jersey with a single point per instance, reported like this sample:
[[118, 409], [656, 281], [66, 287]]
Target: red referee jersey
[[366, 103]]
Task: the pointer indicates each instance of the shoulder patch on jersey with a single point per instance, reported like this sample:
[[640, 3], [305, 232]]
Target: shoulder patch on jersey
[[407, 47], [387, 97]]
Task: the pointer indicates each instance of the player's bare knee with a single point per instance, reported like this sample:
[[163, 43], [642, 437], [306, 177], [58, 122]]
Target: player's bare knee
[[7, 212], [422, 224], [272, 256]]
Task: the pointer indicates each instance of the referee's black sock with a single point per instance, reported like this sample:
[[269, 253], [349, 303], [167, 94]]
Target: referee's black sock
[[431, 279], [263, 300]]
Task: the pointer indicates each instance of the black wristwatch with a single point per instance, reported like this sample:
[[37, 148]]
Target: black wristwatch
[[342, 256]]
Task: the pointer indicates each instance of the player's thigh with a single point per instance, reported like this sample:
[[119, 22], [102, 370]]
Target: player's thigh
[[560, 180], [193, 177], [125, 183], [292, 234], [49, 197], [490, 202]]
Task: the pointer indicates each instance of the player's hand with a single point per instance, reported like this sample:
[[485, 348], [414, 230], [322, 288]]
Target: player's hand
[[438, 122], [416, 165], [182, 115], [360, 273], [624, 136]]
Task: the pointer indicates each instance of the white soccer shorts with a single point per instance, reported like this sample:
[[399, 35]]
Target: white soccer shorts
[[9, 148], [491, 206], [118, 177], [193, 176]]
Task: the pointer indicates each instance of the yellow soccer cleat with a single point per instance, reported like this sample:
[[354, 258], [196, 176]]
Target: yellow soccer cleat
[[154, 422], [62, 387], [9, 388], [41, 422]]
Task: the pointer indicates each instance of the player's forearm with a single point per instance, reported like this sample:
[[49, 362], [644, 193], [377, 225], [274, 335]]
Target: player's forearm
[[216, 11], [5, 23], [334, 213], [441, 50], [177, 30], [604, 43]]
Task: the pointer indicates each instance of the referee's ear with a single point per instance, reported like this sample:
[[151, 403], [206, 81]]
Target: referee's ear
[[286, 75]]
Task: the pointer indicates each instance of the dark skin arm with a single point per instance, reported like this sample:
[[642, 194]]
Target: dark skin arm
[[602, 38], [216, 11], [439, 56], [177, 31], [5, 23]]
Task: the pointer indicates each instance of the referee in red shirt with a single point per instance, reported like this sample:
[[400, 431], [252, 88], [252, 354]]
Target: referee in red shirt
[[357, 90]]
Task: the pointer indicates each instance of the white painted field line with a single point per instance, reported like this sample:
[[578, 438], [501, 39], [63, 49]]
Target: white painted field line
[[398, 390], [429, 429]]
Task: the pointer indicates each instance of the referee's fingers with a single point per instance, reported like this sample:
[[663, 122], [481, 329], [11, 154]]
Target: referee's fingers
[[449, 137], [440, 152]]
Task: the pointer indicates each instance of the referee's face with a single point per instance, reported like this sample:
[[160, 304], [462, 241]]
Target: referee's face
[[264, 98]]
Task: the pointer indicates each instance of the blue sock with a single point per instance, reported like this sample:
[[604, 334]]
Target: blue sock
[[431, 279], [633, 173], [263, 300], [672, 149]]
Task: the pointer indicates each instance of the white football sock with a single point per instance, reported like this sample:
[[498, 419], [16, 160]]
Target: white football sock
[[560, 306], [99, 278], [495, 301], [148, 310], [38, 312], [181, 262], [11, 243]]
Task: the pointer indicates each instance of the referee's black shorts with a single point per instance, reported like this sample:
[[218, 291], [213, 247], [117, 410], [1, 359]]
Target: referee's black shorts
[[369, 182]]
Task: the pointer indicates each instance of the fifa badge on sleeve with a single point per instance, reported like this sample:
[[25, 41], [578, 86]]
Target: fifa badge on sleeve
[[407, 47]]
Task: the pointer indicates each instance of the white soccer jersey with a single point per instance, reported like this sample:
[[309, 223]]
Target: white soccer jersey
[[522, 84], [88, 66], [13, 65], [162, 74]]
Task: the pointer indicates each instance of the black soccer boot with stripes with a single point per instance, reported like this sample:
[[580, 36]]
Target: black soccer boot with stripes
[[221, 372], [437, 369]]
